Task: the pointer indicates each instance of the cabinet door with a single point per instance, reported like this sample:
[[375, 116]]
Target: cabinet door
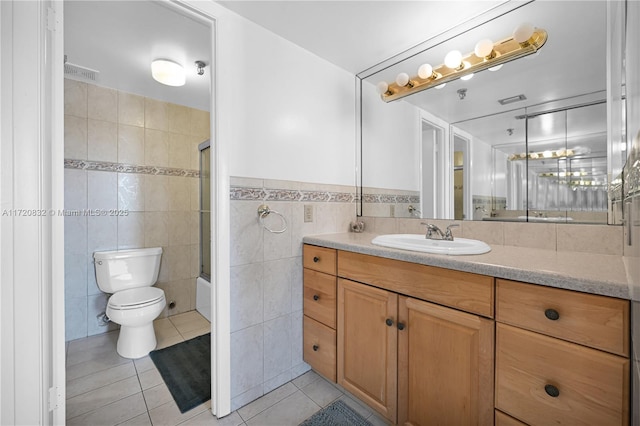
[[367, 345], [445, 366]]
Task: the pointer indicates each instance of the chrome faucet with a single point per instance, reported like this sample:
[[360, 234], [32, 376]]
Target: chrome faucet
[[433, 232]]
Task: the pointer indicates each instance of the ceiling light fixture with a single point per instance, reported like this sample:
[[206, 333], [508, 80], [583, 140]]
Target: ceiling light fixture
[[525, 40], [168, 72]]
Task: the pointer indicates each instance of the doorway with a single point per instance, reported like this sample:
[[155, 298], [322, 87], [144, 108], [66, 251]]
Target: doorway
[[144, 160]]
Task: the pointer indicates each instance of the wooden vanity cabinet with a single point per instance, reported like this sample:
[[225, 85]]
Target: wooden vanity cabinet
[[319, 308], [561, 356], [413, 361], [420, 346]]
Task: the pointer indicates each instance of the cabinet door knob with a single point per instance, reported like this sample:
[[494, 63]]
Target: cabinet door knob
[[400, 326], [316, 259], [552, 391], [389, 322], [315, 348], [316, 297], [551, 314]]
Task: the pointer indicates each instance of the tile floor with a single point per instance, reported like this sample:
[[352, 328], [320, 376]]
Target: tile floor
[[106, 389]]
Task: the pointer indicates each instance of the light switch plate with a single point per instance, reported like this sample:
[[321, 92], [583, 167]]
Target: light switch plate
[[308, 213]]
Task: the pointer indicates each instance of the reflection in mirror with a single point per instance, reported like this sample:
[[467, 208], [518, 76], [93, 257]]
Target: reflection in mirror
[[527, 142]]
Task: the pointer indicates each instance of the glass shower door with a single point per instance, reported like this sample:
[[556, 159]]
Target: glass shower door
[[205, 211]]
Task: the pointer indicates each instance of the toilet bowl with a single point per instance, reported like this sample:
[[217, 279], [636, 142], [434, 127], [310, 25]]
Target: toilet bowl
[[134, 304]]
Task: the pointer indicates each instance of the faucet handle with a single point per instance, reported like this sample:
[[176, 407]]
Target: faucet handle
[[448, 235], [431, 228]]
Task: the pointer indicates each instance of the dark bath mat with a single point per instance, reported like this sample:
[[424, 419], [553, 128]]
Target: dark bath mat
[[186, 370], [337, 413]]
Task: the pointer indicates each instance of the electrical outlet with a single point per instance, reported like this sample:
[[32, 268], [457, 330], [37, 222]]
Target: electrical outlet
[[308, 213], [392, 210]]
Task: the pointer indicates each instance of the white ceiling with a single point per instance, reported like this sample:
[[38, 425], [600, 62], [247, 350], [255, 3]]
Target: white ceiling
[[121, 38], [356, 35]]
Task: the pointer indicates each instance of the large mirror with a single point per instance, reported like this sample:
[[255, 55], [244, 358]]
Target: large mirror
[[529, 141]]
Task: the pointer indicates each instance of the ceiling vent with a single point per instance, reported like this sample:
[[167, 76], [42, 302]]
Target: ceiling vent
[[77, 72], [512, 99]]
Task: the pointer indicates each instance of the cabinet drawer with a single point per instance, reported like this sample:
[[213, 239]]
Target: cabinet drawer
[[320, 297], [504, 420], [461, 290], [320, 348], [319, 259], [597, 321], [592, 386]]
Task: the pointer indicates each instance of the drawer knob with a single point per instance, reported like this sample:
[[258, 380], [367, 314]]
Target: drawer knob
[[400, 326], [316, 297], [389, 322], [315, 348], [551, 314], [552, 391], [316, 259]]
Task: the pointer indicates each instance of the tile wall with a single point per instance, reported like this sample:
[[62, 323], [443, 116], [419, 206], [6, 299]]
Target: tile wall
[[599, 239], [266, 277], [131, 180], [390, 202]]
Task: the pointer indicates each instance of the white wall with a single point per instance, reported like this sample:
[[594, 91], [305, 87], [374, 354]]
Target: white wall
[[287, 113], [392, 135]]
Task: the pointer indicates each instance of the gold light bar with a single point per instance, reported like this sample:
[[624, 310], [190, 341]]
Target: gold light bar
[[503, 51]]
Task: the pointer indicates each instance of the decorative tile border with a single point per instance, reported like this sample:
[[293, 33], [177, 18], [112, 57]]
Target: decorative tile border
[[239, 193], [105, 166], [390, 198]]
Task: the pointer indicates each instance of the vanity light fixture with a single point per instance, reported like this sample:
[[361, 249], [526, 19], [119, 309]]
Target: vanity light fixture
[[524, 41], [168, 72], [548, 154]]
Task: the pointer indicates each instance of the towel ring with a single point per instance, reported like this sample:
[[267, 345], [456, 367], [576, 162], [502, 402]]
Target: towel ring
[[263, 212]]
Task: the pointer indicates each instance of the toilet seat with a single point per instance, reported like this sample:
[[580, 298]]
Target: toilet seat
[[136, 298]]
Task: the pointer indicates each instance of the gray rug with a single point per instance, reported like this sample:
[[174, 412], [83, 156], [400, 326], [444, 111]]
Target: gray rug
[[186, 370], [336, 414]]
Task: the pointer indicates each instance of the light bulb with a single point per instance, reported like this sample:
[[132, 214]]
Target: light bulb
[[425, 71], [402, 79], [441, 86], [467, 77], [496, 68], [382, 87], [484, 48], [523, 32], [547, 154], [453, 59]]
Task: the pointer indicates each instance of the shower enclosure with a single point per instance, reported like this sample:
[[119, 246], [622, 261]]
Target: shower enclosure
[[203, 285]]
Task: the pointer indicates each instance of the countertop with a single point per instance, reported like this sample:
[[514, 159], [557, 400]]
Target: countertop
[[585, 272]]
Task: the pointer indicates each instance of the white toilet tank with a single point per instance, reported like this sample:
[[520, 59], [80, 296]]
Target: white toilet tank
[[119, 270]]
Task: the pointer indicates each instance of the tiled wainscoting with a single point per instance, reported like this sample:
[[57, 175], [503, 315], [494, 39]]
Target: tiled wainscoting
[[601, 239], [131, 180], [266, 277], [390, 202]]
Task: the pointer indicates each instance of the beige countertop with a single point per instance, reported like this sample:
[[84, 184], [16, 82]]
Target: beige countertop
[[585, 272]]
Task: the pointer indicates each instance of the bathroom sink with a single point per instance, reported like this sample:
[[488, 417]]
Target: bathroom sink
[[418, 242]]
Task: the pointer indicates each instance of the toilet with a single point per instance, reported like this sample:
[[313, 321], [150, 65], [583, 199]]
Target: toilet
[[129, 276]]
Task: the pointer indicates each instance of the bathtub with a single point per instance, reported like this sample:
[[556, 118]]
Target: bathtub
[[203, 297]]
